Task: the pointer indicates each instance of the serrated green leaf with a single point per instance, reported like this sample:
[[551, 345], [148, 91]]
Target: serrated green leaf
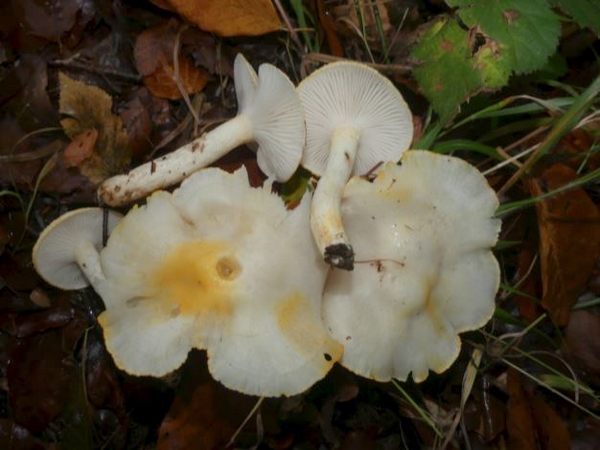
[[446, 72], [528, 31], [585, 12]]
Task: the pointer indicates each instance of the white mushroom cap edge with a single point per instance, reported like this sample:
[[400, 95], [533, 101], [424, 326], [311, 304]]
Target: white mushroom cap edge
[[355, 120], [425, 270]]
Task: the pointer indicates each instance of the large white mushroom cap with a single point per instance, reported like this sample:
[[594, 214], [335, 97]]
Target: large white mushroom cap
[[224, 267], [422, 233]]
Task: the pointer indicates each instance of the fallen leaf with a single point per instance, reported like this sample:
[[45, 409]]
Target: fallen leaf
[[154, 61], [583, 347], [48, 19], [230, 17], [80, 148], [14, 436], [532, 423], [204, 414], [569, 228], [88, 108], [39, 376]]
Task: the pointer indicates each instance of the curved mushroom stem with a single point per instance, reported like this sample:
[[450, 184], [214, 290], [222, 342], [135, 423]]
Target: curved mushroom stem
[[174, 167], [88, 259], [325, 215]]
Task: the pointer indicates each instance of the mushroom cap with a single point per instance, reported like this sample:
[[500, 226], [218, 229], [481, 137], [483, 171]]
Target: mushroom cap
[[273, 108], [246, 80], [54, 253], [220, 266], [349, 94], [422, 234]]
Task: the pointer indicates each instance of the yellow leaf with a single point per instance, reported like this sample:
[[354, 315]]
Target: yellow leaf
[[86, 108], [230, 17]]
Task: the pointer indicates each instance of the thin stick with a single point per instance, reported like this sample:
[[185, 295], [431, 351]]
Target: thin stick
[[248, 417]]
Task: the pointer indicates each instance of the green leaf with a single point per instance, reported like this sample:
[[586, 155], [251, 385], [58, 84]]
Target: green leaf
[[527, 32], [585, 12], [446, 72]]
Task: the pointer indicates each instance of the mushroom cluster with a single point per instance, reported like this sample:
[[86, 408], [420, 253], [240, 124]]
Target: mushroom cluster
[[222, 266]]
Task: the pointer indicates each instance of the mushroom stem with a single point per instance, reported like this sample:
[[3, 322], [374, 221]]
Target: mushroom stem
[[88, 259], [325, 215], [174, 167]]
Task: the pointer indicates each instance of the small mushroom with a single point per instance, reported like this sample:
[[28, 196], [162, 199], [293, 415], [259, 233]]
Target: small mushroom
[[424, 266], [66, 252], [269, 113], [355, 120], [221, 266]]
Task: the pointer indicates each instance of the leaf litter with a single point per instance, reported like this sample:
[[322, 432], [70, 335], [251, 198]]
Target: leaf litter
[[80, 85]]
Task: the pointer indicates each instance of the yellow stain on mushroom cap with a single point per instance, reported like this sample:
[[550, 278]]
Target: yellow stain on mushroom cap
[[198, 278], [306, 333]]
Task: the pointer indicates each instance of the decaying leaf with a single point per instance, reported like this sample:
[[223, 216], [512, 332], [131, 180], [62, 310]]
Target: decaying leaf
[[569, 228], [229, 17], [204, 414], [86, 108], [80, 148], [154, 61], [532, 423], [582, 342]]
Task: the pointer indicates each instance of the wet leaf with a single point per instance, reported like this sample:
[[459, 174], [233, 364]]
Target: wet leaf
[[569, 228], [14, 436], [88, 108], [154, 61], [37, 322], [582, 342], [48, 19], [39, 377], [204, 414], [229, 17], [532, 423]]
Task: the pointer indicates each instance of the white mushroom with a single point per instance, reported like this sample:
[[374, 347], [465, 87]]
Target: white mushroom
[[424, 266], [220, 266], [355, 120], [66, 252], [269, 113]]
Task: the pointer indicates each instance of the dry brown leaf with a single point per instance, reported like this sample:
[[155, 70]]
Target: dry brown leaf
[[230, 17], [569, 228], [87, 108], [154, 61]]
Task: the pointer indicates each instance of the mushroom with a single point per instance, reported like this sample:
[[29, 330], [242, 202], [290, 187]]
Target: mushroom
[[66, 252], [424, 266], [269, 113], [221, 266], [355, 120]]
